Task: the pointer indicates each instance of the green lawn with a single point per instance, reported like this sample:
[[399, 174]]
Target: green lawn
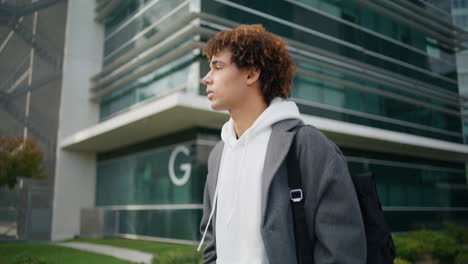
[[15, 253], [164, 253]]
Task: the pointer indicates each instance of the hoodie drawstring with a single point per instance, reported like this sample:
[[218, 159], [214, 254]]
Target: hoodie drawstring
[[216, 192], [214, 201]]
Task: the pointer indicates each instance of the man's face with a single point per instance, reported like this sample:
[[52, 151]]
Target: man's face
[[226, 83]]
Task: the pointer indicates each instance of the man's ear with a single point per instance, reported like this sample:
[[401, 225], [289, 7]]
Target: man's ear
[[253, 75]]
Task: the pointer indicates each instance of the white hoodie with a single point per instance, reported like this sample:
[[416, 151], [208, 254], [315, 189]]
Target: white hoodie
[[238, 190]]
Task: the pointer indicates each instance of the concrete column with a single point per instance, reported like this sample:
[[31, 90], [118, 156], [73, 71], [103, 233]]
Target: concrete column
[[75, 172]]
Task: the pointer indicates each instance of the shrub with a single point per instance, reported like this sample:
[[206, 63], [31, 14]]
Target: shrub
[[20, 157], [400, 261], [441, 245], [458, 232], [410, 248], [462, 257]]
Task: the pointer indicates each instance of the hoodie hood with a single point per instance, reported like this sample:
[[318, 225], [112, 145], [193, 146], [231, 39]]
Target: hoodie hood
[[279, 109]]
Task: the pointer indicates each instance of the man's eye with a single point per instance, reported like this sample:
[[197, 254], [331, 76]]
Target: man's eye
[[218, 68]]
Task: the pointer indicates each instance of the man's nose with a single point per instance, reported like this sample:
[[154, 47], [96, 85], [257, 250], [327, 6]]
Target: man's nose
[[207, 79]]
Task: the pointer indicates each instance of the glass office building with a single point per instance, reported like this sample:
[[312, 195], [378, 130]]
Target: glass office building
[[378, 77]]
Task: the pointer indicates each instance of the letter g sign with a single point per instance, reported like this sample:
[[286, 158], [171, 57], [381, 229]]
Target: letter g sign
[[185, 167]]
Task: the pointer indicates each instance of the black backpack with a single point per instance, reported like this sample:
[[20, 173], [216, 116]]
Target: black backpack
[[380, 247]]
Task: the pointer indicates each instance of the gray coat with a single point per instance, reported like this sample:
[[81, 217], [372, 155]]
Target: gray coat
[[330, 201]]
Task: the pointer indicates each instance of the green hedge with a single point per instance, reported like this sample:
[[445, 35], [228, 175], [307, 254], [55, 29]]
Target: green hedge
[[401, 261], [442, 246], [409, 248], [462, 257], [458, 232], [445, 245]]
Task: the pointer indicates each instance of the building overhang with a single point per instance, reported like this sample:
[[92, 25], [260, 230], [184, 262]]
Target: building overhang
[[150, 119], [180, 111], [376, 139]]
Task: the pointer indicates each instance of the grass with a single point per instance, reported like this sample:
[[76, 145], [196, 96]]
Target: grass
[[151, 247], [50, 254], [162, 252]]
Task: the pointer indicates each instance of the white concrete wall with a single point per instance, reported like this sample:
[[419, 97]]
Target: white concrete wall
[[75, 175]]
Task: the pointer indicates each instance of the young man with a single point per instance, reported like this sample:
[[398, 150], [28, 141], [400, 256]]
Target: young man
[[247, 210]]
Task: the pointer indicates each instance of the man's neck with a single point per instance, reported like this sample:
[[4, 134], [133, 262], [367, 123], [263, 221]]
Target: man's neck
[[244, 116]]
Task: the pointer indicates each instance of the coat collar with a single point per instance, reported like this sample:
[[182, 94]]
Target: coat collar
[[281, 138]]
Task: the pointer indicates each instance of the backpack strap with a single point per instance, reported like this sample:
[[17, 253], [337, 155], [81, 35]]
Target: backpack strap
[[301, 234]]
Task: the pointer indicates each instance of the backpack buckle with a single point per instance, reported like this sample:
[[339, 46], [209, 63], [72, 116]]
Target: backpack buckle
[[296, 195]]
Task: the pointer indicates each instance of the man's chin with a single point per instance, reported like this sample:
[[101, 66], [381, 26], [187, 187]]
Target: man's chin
[[216, 107]]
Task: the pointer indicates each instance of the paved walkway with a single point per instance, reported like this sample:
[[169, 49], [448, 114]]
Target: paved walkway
[[117, 252]]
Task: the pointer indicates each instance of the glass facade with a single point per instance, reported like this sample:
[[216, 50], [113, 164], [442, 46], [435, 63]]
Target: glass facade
[[356, 63], [412, 188], [134, 22], [157, 189], [343, 92], [411, 41], [142, 179], [406, 186], [173, 224], [173, 76], [297, 23], [460, 18]]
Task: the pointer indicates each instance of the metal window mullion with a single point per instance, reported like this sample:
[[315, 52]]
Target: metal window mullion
[[143, 32], [376, 117], [290, 24], [131, 19], [159, 37], [376, 91], [144, 56], [417, 16], [424, 208], [409, 66], [216, 19], [400, 164], [435, 35], [178, 89], [437, 9], [383, 74], [375, 80], [419, 10], [374, 33], [150, 67], [322, 35], [107, 9]]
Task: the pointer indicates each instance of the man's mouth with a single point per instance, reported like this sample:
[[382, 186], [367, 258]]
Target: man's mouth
[[209, 94]]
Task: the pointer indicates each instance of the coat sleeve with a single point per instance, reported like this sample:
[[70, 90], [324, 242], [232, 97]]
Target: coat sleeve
[[209, 252], [332, 211]]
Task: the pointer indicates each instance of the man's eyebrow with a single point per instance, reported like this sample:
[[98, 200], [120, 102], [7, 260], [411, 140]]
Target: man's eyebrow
[[216, 62]]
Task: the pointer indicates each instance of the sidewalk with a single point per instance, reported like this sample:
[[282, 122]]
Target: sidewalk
[[117, 252]]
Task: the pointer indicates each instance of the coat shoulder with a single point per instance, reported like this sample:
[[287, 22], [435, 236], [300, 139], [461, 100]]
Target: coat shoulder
[[310, 139], [308, 134], [216, 151]]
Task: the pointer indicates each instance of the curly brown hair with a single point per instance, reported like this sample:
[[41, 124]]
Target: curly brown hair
[[252, 47]]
